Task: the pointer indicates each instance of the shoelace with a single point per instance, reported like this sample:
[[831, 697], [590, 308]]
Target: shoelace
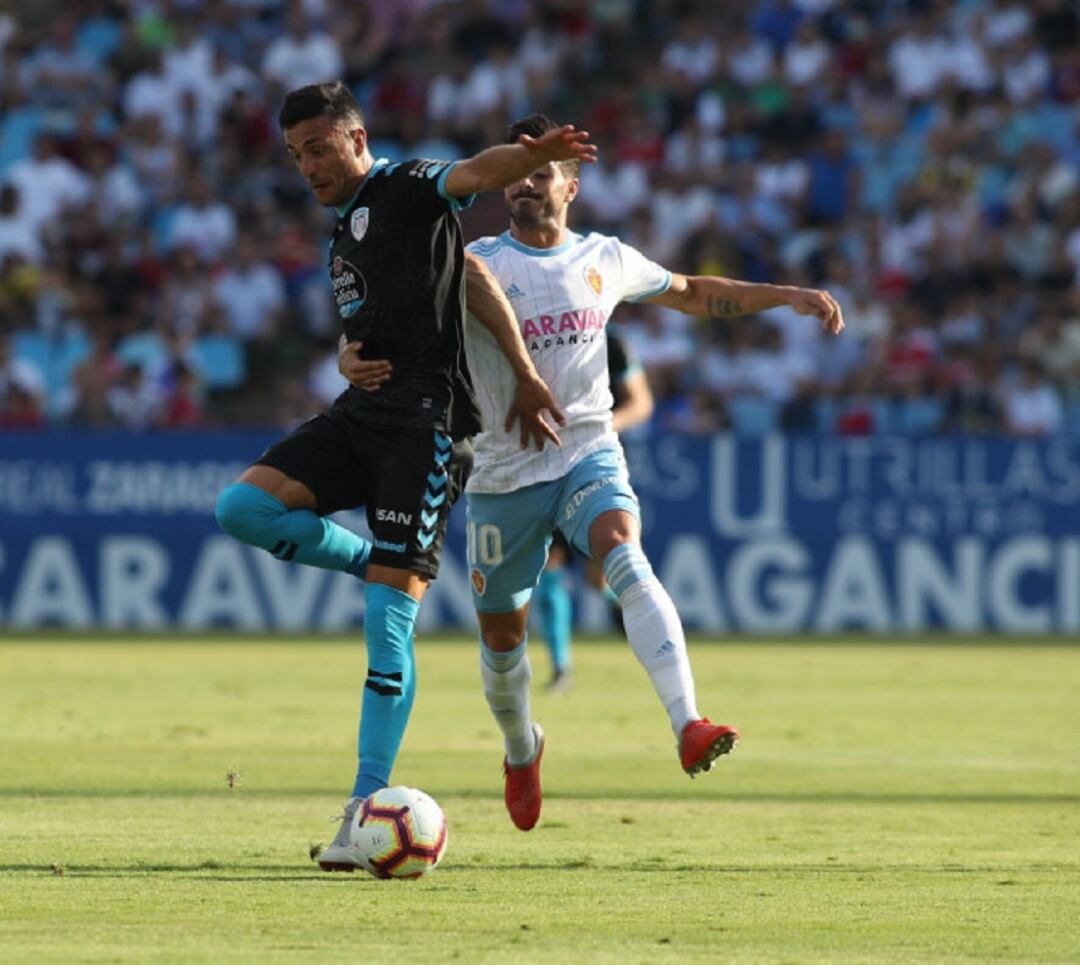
[[344, 816]]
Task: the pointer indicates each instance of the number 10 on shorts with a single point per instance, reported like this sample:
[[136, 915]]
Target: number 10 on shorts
[[484, 544]]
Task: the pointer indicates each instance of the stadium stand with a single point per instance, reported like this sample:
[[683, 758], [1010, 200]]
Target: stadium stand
[[161, 264]]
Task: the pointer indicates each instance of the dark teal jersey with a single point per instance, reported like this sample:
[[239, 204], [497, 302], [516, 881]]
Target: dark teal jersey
[[397, 270]]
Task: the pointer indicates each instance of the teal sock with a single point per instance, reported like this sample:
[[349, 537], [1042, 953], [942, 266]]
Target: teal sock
[[254, 516], [556, 613], [389, 620]]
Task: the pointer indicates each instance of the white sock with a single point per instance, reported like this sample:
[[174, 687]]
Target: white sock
[[656, 637], [506, 678]]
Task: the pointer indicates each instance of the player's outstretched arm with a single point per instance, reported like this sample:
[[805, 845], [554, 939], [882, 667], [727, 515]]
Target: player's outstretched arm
[[485, 300], [500, 166], [726, 298]]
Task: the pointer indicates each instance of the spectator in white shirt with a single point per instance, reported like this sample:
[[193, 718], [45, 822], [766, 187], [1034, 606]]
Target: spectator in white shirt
[[780, 175], [679, 207], [134, 402], [807, 56], [495, 83], [188, 63], [201, 223], [251, 294], [695, 151], [694, 53], [663, 345], [155, 158], [1005, 21], [1033, 405], [772, 373], [324, 381], [47, 183], [17, 235], [720, 364], [1026, 74], [218, 89], [303, 56], [749, 58], [116, 192], [17, 373], [58, 71], [919, 60], [186, 306], [613, 190], [151, 93], [969, 61]]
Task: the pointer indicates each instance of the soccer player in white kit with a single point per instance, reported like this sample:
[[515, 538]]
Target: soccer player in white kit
[[563, 288]]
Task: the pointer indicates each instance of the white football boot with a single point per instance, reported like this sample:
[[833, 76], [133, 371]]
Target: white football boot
[[340, 855]]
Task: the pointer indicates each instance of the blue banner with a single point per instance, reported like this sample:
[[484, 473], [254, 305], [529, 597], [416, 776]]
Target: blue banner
[[774, 535], [880, 534]]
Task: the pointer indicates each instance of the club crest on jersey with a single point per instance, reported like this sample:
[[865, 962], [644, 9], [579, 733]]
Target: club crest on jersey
[[358, 223], [349, 286], [479, 582], [595, 280]]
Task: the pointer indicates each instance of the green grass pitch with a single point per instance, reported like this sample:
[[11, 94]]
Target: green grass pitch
[[896, 803]]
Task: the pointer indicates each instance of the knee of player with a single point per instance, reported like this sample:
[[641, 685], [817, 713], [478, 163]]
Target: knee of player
[[240, 510], [613, 543], [611, 530], [502, 639]]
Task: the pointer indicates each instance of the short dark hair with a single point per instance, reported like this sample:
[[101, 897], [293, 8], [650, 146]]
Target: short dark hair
[[333, 100], [537, 125]]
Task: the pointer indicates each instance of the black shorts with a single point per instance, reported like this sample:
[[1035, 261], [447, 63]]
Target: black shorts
[[407, 478]]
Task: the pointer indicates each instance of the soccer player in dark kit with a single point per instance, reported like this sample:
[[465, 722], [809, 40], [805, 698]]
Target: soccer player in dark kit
[[397, 440]]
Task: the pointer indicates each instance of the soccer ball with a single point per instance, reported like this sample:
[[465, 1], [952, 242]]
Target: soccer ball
[[398, 832]]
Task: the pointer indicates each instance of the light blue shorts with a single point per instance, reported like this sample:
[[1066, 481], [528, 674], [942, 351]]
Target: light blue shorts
[[510, 533]]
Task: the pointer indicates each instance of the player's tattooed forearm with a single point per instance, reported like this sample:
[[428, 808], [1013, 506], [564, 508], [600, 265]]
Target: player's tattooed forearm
[[718, 307]]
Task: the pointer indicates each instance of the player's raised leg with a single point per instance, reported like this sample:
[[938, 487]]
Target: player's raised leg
[[656, 636], [600, 516], [277, 514], [277, 503]]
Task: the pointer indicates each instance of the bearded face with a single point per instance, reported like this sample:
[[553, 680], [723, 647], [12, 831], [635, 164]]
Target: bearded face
[[540, 200]]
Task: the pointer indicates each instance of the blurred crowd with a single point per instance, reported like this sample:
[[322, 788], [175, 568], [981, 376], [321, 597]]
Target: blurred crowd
[[162, 264]]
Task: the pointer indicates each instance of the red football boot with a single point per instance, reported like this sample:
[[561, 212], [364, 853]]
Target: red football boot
[[523, 794], [703, 742]]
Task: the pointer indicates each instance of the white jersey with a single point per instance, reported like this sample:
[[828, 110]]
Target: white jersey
[[562, 297]]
